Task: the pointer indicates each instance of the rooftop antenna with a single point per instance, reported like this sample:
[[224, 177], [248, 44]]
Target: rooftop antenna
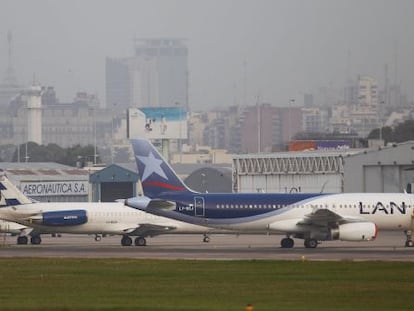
[[396, 62], [259, 125], [244, 83], [10, 76]]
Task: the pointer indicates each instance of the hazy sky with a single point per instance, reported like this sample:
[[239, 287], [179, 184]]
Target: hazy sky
[[288, 47]]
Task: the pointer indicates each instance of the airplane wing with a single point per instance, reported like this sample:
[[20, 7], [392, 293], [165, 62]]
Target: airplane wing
[[151, 230], [326, 218]]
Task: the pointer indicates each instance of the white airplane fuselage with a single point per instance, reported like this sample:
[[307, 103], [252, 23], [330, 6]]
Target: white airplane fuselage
[[96, 218], [387, 211]]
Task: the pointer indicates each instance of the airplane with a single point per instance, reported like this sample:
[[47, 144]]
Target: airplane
[[96, 218], [313, 217], [11, 227]]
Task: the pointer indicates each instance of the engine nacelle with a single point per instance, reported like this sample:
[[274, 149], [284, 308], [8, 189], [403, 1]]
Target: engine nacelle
[[61, 218], [358, 231]]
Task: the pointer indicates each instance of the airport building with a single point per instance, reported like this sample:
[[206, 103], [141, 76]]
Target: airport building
[[53, 182], [387, 169], [48, 182]]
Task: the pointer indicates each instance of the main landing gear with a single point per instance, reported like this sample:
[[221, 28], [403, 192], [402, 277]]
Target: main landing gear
[[311, 243], [289, 243], [139, 241], [24, 240]]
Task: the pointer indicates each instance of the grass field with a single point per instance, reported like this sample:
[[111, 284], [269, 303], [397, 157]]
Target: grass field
[[114, 284]]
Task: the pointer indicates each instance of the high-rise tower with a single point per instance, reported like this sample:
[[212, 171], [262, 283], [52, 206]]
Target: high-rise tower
[[9, 87], [34, 114], [156, 76]]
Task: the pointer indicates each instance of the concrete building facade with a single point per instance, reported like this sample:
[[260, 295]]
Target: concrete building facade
[[156, 76]]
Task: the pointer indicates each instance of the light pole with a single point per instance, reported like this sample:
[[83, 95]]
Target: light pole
[[112, 132], [94, 134], [180, 129], [380, 121], [291, 102]]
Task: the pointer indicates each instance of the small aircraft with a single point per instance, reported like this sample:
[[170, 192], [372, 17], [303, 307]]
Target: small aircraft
[[99, 219], [313, 217]]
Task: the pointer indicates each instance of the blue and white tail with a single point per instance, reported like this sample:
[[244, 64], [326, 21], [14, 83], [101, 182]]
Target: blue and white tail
[[156, 174], [10, 195]]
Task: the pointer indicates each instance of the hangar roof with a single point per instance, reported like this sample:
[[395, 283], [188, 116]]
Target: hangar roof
[[45, 171], [299, 154], [114, 173], [210, 179]]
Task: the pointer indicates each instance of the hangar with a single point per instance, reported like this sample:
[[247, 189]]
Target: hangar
[[48, 182], [113, 182], [53, 182], [210, 179], [387, 169]]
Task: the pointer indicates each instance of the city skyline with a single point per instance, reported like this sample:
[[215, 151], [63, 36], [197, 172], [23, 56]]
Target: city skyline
[[238, 50]]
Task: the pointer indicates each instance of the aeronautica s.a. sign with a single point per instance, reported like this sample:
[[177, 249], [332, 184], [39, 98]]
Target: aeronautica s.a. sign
[[54, 188]]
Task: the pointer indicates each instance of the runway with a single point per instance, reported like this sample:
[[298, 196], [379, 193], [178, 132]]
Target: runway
[[387, 247]]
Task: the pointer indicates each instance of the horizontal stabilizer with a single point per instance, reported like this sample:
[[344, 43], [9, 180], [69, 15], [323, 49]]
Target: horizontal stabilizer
[[144, 203]]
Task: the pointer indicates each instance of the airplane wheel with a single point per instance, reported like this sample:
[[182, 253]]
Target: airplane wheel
[[140, 241], [287, 243], [98, 238], [22, 240], [409, 243], [35, 240], [311, 243], [126, 241], [206, 239]]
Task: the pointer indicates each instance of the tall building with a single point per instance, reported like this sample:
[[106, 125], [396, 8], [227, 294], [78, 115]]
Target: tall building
[[156, 76], [9, 87], [367, 91]]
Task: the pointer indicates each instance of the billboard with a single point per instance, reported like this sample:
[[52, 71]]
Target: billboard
[[307, 145], [333, 144], [157, 123], [302, 145]]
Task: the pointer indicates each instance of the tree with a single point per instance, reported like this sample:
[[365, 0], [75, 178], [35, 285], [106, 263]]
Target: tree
[[54, 153], [401, 133]]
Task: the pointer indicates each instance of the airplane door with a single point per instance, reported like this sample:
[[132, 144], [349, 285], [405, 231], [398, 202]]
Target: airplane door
[[199, 206]]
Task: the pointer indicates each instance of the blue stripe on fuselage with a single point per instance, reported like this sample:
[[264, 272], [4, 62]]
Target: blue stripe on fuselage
[[234, 205]]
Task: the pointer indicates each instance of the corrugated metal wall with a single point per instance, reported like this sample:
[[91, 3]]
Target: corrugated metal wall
[[327, 183]]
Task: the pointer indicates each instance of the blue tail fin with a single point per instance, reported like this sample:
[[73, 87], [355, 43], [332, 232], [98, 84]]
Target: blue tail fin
[[10, 195], [155, 173]]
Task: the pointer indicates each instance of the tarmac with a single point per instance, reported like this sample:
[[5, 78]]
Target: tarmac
[[389, 246]]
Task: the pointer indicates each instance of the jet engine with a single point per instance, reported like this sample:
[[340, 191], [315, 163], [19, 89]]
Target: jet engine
[[60, 218], [358, 231]]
